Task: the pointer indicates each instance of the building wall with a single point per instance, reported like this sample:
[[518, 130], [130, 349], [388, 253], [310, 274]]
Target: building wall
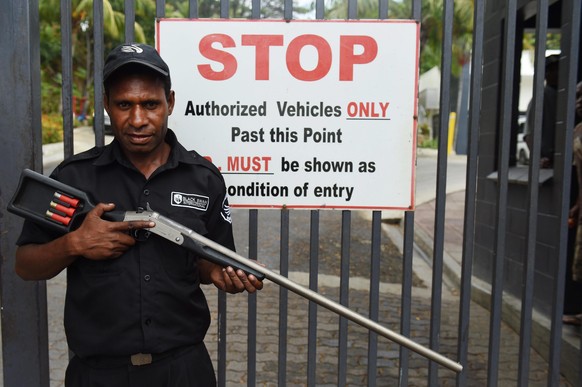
[[516, 215]]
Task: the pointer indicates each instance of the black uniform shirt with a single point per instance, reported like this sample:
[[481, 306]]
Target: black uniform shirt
[[148, 300]]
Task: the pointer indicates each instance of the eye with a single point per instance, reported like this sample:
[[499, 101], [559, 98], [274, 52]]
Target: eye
[[151, 105]]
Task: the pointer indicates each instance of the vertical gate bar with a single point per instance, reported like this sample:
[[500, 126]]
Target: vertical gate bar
[[571, 15], [532, 202], [408, 249], [221, 345], [224, 4], [416, 10], [406, 300], [382, 9], [160, 8], [352, 9], [374, 297], [67, 76], [283, 299], [24, 312], [319, 9], [344, 297], [508, 58], [98, 123], [252, 302], [441, 185], [222, 297], [67, 80], [345, 265], [255, 9], [129, 11], [313, 285], [193, 9], [470, 191], [288, 9], [222, 303], [253, 254]]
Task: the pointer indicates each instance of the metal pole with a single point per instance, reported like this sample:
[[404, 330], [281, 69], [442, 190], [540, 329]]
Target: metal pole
[[23, 312]]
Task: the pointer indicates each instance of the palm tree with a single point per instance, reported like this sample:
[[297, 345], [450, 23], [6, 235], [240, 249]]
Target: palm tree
[[431, 26], [82, 42]]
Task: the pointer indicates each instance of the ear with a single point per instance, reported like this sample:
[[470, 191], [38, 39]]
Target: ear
[[171, 101]]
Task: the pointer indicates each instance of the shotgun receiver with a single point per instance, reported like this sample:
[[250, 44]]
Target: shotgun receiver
[[34, 186], [62, 208]]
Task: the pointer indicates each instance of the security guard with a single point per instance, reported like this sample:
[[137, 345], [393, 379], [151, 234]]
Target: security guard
[[135, 314]]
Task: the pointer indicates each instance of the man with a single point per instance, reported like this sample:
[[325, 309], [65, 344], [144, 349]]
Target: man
[[577, 153], [134, 312], [549, 114]]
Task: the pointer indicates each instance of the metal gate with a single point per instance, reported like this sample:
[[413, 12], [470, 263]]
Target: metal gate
[[440, 298]]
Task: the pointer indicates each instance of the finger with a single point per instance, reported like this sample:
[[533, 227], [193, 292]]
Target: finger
[[235, 280], [256, 283], [133, 225], [140, 224], [246, 281]]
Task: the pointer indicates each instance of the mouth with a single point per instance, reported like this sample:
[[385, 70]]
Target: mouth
[[138, 139]]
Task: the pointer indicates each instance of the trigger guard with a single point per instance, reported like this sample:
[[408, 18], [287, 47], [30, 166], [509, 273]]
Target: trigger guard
[[141, 235]]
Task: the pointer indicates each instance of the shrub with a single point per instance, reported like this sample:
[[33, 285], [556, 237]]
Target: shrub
[[432, 143], [52, 128]]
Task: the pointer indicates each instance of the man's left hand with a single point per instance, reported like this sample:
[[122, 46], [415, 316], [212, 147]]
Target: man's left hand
[[228, 279]]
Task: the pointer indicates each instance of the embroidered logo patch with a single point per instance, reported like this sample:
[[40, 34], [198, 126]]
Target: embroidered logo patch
[[197, 202], [132, 48], [225, 212]]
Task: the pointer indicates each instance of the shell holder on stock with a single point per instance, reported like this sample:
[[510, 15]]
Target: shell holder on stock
[[49, 202]]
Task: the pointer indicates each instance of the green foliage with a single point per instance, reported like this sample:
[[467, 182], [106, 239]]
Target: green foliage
[[431, 26], [424, 139], [431, 143], [552, 42], [82, 30], [52, 128]]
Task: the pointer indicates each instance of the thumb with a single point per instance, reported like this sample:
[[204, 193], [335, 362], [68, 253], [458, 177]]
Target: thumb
[[101, 208]]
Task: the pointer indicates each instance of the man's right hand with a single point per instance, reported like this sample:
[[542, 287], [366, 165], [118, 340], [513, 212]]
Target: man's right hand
[[99, 239]]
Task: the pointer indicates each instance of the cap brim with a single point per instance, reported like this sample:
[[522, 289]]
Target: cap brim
[[136, 61]]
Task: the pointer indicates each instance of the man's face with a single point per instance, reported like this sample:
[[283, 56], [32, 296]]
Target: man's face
[[139, 113]]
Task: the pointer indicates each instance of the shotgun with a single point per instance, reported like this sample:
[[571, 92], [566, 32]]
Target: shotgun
[[62, 208]]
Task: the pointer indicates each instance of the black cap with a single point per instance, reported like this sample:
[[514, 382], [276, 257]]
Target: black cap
[[134, 53]]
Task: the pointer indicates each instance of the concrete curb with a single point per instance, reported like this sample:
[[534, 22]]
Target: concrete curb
[[510, 310]]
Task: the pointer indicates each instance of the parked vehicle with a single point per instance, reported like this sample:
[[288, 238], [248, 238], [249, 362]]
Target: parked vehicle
[[522, 152], [106, 123]]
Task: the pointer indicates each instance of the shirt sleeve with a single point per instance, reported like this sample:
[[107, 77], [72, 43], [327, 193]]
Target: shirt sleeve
[[33, 233]]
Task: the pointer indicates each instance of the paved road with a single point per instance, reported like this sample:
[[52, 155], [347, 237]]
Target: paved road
[[426, 174]]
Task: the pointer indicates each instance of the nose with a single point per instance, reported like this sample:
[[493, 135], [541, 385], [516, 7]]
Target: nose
[[138, 116]]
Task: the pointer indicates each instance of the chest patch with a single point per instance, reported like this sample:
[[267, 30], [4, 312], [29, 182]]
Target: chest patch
[[194, 201]]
